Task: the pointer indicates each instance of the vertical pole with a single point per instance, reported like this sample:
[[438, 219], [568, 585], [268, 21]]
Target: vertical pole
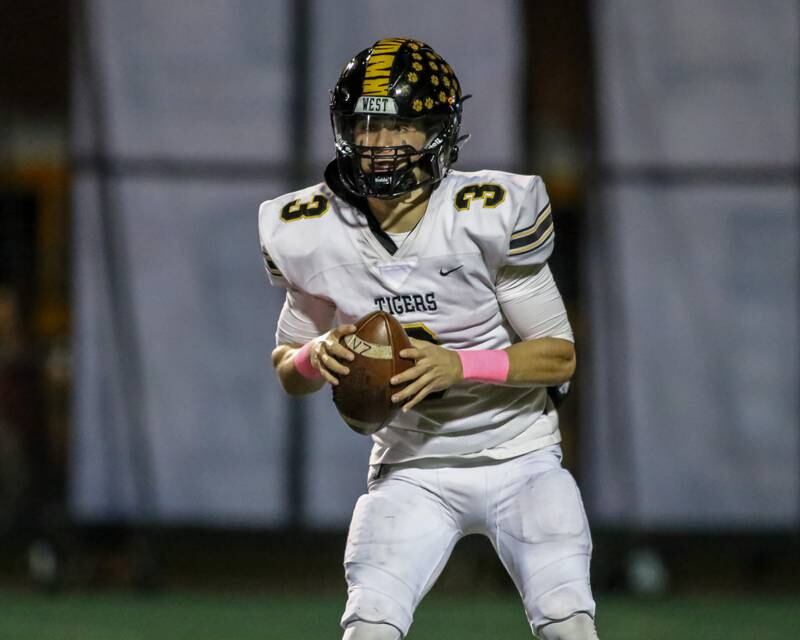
[[117, 279], [299, 128]]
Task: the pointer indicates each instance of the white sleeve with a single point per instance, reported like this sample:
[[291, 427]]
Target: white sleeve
[[532, 304], [303, 318], [271, 264], [276, 278], [532, 235]]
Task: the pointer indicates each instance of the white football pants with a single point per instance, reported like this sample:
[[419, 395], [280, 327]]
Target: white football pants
[[404, 528]]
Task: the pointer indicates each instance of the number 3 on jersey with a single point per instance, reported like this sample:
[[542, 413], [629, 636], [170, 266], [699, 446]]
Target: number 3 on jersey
[[491, 194], [297, 209], [419, 331]]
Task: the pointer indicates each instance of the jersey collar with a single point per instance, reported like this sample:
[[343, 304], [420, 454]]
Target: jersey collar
[[334, 182]]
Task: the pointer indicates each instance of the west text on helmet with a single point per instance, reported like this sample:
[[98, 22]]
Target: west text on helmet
[[373, 104]]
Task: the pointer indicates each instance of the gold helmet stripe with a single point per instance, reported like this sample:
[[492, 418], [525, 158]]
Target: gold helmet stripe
[[379, 66]]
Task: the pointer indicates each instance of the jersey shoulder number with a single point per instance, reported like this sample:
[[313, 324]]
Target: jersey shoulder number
[[488, 194], [510, 212], [285, 240], [297, 209]]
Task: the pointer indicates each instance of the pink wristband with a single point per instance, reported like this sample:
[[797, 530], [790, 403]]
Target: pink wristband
[[486, 365], [302, 362]]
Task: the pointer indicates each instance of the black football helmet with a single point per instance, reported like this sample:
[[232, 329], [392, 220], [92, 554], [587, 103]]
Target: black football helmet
[[400, 85]]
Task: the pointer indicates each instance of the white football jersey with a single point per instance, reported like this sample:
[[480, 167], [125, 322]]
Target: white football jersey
[[440, 284]]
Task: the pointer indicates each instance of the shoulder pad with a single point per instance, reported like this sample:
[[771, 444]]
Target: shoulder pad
[[509, 212], [288, 228]]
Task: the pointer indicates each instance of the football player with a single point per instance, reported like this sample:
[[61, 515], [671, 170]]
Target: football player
[[461, 260]]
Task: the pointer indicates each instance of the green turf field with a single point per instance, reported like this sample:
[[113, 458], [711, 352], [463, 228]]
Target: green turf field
[[251, 617]]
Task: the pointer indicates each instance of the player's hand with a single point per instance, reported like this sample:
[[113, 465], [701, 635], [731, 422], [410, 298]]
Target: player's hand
[[328, 353], [435, 369]]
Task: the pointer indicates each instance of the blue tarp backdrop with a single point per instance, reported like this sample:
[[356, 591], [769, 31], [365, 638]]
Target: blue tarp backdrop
[[185, 117], [183, 123], [694, 275]]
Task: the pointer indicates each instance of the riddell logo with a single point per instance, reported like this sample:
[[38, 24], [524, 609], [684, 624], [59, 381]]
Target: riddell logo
[[379, 67]]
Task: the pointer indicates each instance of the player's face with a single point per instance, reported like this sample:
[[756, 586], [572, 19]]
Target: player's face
[[389, 132], [391, 140]]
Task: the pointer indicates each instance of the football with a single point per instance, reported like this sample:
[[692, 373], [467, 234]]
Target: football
[[364, 396]]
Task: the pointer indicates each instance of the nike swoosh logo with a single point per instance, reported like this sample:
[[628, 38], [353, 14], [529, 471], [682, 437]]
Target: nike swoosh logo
[[442, 272]]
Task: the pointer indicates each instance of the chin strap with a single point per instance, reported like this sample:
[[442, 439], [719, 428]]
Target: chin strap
[[462, 140]]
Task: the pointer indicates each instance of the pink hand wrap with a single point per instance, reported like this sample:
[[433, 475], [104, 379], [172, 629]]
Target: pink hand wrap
[[486, 365], [302, 362]]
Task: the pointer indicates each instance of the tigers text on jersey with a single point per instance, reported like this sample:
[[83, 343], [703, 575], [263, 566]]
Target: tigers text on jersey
[[440, 284]]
